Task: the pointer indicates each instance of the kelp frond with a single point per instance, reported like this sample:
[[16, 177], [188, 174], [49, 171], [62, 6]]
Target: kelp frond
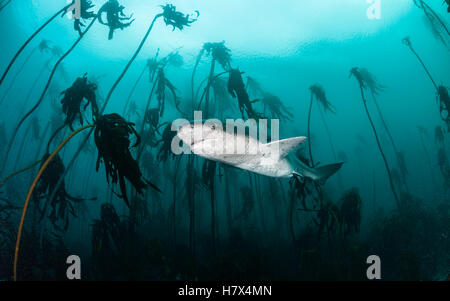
[[276, 107], [367, 80], [320, 95], [435, 22], [219, 52], [254, 87], [371, 81], [176, 19]]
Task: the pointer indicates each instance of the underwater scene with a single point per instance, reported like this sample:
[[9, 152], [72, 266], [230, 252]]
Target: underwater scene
[[294, 140]]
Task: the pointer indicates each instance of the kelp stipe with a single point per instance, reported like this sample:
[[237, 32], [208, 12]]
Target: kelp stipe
[[33, 186], [437, 24], [208, 177], [423, 133], [160, 84], [169, 12], [127, 101], [41, 98], [407, 42], [4, 4], [112, 138], [10, 176], [43, 47], [269, 101], [11, 63], [318, 93], [375, 89], [171, 17], [443, 98], [81, 89], [444, 105], [363, 85], [219, 53]]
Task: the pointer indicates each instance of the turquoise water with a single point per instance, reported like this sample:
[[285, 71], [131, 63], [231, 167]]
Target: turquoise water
[[286, 46]]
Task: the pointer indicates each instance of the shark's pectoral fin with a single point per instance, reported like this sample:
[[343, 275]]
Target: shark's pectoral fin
[[283, 147]]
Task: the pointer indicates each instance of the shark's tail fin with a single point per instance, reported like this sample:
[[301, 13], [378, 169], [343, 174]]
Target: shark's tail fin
[[321, 174], [324, 172]]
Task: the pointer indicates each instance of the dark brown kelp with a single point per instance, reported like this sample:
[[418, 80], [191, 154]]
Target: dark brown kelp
[[165, 149], [229, 210], [350, 212], [175, 183], [436, 23], [11, 63], [132, 90], [112, 137], [318, 93], [159, 87], [85, 14], [221, 54], [444, 105], [407, 42], [73, 97], [191, 178], [56, 189], [61, 206], [28, 130], [237, 89], [168, 13], [248, 204], [208, 176], [218, 53], [423, 133], [171, 16], [163, 84], [222, 98], [441, 91], [269, 101], [43, 47], [41, 98], [72, 103], [444, 167], [114, 17], [363, 85], [277, 109], [375, 89]]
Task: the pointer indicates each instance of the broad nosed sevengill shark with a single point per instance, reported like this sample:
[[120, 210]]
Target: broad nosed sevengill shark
[[270, 159]]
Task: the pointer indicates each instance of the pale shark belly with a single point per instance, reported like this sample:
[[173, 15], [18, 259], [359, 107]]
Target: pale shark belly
[[280, 169]]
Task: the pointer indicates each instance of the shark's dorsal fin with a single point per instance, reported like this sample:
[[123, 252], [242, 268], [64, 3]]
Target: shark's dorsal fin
[[284, 147]]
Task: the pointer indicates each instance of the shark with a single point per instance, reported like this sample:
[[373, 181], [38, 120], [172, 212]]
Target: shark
[[274, 159]]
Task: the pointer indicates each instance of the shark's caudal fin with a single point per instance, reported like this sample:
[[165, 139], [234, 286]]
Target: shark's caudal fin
[[283, 147], [321, 174], [324, 172]]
